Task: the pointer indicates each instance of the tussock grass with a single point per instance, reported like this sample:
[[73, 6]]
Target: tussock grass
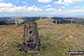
[[56, 39]]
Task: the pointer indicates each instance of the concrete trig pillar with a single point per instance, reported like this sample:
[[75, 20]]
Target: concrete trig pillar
[[31, 41]]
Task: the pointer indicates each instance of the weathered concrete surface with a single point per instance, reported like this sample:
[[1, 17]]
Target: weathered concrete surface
[[31, 41]]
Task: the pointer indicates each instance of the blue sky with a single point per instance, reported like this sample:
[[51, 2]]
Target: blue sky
[[61, 8]]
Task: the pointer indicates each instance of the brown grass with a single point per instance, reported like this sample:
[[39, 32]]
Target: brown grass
[[56, 39]]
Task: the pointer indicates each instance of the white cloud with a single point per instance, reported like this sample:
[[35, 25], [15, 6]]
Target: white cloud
[[63, 6], [44, 1], [24, 2], [59, 2], [8, 7], [1, 0], [68, 2], [60, 10], [33, 8], [50, 9], [72, 1], [47, 6], [74, 12], [5, 5], [64, 12]]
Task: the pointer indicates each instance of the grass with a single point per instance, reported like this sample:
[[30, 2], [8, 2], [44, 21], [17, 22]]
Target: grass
[[56, 39]]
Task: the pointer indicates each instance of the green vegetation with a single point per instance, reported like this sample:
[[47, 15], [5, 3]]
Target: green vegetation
[[3, 23], [56, 39], [82, 23]]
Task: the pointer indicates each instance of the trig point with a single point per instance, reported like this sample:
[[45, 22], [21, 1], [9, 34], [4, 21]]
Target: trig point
[[31, 41]]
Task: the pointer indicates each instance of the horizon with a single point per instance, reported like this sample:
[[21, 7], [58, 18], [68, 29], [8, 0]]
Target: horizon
[[42, 16]]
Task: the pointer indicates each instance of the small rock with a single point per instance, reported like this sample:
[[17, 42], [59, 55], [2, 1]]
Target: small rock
[[16, 44], [33, 51]]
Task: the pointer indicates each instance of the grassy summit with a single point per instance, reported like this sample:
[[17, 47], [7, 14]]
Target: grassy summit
[[56, 39]]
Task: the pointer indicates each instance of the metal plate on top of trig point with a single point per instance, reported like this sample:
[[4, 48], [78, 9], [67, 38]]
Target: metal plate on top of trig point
[[31, 41]]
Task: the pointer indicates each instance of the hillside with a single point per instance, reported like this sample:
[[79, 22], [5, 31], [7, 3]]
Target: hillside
[[56, 39]]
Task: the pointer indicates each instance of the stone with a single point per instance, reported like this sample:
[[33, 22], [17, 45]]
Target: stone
[[31, 41]]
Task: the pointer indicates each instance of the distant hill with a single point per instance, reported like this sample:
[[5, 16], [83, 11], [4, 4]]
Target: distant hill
[[3, 23], [29, 19]]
